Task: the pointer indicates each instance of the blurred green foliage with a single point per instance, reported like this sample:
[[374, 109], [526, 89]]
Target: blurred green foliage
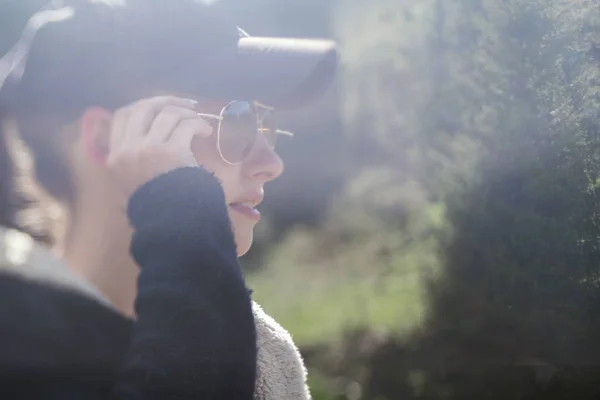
[[457, 256]]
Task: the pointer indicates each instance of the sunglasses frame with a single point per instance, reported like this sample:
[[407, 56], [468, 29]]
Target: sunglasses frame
[[259, 124]]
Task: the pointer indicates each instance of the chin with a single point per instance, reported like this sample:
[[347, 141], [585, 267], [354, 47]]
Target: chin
[[243, 245], [243, 231], [244, 236]]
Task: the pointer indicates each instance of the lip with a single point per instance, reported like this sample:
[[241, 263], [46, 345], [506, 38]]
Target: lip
[[249, 212], [247, 207]]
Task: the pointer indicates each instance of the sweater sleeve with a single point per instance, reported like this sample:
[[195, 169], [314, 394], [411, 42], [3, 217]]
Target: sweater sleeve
[[194, 336]]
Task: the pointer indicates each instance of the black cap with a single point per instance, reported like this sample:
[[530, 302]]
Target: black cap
[[104, 52]]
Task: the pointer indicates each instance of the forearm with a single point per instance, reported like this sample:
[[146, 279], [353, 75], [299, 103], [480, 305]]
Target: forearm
[[194, 336]]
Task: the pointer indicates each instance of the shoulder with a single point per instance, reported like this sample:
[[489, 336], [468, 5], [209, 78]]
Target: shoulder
[[46, 311], [21, 257], [281, 373]]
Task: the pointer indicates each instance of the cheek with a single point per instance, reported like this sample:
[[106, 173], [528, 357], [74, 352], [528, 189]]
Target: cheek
[[206, 154]]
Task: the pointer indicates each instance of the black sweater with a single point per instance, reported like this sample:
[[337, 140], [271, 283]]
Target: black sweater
[[194, 335]]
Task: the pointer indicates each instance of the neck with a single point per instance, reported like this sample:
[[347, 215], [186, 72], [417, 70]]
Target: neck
[[97, 247]]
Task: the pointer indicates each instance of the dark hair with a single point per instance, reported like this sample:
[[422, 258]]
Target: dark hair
[[19, 204], [21, 207], [10, 201]]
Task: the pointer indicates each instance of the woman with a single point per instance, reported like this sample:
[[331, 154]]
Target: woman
[[62, 339], [85, 126]]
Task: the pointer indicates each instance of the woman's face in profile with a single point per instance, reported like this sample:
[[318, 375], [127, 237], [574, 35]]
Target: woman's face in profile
[[243, 183]]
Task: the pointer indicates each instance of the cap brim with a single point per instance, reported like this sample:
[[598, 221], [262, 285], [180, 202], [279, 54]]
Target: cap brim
[[284, 73]]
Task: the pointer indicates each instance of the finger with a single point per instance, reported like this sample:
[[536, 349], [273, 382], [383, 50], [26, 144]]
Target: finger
[[188, 129], [181, 143], [167, 120], [201, 128], [185, 132], [143, 114], [118, 128]]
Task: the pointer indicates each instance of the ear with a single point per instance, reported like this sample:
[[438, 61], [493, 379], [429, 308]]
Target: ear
[[95, 133]]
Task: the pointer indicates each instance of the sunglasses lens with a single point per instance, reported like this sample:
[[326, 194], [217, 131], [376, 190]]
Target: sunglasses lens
[[238, 131]]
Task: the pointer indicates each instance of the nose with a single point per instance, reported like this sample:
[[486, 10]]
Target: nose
[[263, 163]]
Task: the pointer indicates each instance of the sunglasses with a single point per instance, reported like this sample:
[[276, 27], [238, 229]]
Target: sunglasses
[[239, 125]]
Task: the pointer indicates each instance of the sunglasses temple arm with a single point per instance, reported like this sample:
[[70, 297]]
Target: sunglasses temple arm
[[279, 132], [219, 118], [286, 133], [210, 116]]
